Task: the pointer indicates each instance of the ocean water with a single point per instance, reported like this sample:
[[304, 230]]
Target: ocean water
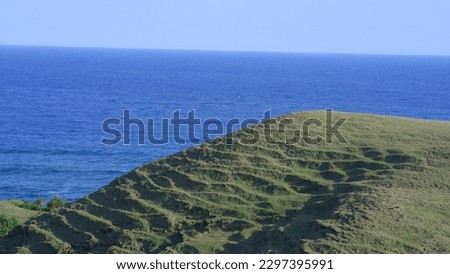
[[53, 102]]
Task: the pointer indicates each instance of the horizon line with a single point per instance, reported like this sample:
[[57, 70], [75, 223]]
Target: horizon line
[[219, 50]]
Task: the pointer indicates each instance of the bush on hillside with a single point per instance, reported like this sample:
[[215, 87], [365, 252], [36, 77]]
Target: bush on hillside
[[56, 202], [7, 223]]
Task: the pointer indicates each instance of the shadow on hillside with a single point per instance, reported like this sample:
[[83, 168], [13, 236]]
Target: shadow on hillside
[[298, 226]]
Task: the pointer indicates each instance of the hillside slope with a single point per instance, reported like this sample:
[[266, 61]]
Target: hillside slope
[[386, 191], [9, 208]]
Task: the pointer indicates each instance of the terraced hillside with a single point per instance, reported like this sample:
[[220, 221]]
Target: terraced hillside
[[385, 191]]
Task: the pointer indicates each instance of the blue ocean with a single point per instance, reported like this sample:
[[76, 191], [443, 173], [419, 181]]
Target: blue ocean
[[54, 100]]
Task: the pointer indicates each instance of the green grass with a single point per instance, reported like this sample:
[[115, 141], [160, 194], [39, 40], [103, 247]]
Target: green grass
[[14, 213], [385, 191], [29, 206], [11, 216], [9, 208], [38, 205], [7, 223], [55, 203]]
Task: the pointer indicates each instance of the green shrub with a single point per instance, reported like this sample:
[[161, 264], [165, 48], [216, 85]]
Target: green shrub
[[38, 205], [40, 202], [7, 223], [35, 206], [56, 202]]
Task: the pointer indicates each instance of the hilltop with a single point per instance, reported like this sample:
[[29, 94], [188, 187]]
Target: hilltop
[[386, 190]]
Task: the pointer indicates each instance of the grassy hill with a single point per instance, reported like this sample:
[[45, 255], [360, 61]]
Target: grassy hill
[[10, 208], [385, 191], [12, 215]]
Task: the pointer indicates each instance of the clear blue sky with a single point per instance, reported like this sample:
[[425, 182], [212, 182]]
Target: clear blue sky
[[333, 26]]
